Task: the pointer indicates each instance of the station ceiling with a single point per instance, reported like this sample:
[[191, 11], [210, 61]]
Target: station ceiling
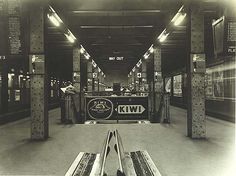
[[124, 28]]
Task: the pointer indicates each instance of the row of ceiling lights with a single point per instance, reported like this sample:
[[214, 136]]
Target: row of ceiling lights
[[56, 21], [176, 21]]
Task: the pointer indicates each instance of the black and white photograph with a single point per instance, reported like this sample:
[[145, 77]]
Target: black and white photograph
[[117, 87]]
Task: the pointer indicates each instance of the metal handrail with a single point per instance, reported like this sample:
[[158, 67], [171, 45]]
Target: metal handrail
[[105, 152]]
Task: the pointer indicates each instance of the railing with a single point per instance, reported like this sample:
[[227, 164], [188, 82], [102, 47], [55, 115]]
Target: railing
[[116, 93]]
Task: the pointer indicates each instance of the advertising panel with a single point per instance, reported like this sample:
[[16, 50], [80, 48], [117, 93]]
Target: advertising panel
[[113, 108]]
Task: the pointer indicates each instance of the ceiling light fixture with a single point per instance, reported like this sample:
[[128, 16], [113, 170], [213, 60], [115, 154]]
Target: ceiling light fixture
[[146, 55], [82, 50], [87, 56], [53, 17], [179, 17], [70, 36], [151, 49], [162, 37]]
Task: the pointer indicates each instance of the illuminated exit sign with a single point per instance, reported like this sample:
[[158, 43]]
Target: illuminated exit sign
[[118, 58]]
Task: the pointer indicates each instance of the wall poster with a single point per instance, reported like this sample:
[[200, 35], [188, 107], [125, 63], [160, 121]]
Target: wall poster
[[177, 84]]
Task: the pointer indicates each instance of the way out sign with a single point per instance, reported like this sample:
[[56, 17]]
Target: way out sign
[[130, 109]]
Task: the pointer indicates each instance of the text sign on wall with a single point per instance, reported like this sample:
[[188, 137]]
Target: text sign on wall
[[111, 108]]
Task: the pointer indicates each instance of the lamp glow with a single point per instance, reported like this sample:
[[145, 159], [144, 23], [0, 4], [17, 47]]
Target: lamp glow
[[146, 56], [151, 49], [87, 56], [179, 19], [162, 37], [82, 50], [53, 17], [71, 38]]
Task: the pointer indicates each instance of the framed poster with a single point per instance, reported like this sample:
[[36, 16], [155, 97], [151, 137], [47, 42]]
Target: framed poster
[[177, 85], [218, 84], [208, 84], [17, 95]]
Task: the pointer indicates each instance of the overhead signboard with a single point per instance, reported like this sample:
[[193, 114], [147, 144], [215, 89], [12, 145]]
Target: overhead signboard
[[118, 58]]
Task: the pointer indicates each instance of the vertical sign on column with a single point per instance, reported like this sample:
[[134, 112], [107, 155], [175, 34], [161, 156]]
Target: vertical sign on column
[[39, 111]]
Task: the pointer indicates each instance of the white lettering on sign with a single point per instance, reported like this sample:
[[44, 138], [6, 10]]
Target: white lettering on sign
[[130, 109]]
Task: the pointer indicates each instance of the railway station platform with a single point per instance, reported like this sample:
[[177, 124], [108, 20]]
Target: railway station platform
[[173, 153]]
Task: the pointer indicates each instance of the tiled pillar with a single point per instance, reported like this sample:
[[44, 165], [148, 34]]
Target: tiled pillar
[[76, 80], [89, 75], [38, 86], [196, 120], [76, 68], [3, 58], [95, 78], [144, 74], [132, 79], [135, 79], [158, 83], [101, 82]]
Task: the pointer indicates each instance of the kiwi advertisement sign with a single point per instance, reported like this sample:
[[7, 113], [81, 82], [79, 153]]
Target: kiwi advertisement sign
[[116, 108]]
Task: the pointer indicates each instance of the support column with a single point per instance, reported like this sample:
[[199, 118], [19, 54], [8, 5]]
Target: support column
[[89, 76], [135, 79], [3, 58], [95, 79], [76, 81], [132, 79], [100, 81], [158, 83], [196, 122], [144, 76], [38, 86], [76, 69], [129, 80]]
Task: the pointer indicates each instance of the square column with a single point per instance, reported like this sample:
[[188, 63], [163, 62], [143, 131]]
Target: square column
[[38, 86], [89, 76], [144, 75], [3, 58], [158, 84], [196, 120], [95, 79], [76, 68], [132, 79], [129, 80], [135, 79], [76, 80]]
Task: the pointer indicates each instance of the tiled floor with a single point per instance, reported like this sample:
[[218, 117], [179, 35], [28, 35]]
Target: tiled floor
[[173, 153]]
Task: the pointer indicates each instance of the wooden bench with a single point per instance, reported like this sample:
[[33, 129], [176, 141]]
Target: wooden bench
[[137, 163]]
